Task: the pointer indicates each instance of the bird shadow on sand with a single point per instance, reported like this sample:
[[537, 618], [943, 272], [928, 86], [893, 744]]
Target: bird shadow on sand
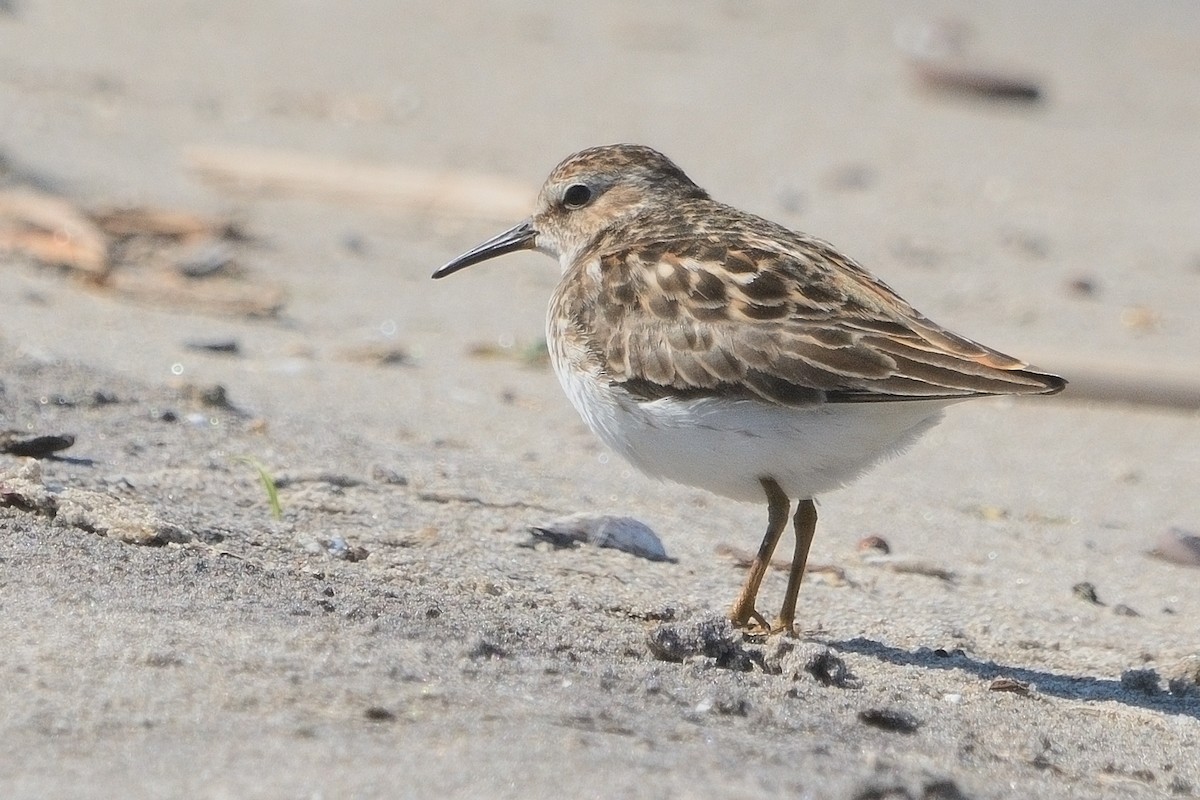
[[1138, 690]]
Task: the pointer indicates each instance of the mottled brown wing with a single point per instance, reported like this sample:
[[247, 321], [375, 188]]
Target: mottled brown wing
[[796, 328]]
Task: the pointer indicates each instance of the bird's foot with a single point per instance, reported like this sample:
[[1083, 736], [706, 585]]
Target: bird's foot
[[785, 626], [749, 620], [756, 625]]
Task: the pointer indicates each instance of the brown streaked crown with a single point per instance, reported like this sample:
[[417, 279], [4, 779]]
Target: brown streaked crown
[[622, 182]]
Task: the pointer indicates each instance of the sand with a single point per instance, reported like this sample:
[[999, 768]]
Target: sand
[[397, 631]]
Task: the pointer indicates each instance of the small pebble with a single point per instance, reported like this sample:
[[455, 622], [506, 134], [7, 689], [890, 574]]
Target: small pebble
[[874, 545], [1009, 685], [213, 396], [829, 670], [1083, 286], [484, 648], [1086, 591], [102, 398], [379, 714], [889, 719], [224, 346], [16, 444], [339, 548], [388, 475]]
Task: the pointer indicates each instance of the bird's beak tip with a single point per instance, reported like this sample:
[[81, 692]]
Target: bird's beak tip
[[522, 236]]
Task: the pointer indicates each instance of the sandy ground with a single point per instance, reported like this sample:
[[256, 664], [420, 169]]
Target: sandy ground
[[395, 633]]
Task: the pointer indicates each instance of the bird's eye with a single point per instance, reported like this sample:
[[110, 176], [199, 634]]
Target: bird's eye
[[577, 196]]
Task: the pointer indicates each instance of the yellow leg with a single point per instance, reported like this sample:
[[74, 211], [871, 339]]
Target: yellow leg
[[805, 523], [743, 610]]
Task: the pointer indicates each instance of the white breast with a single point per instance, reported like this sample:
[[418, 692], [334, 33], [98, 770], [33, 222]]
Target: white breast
[[726, 446]]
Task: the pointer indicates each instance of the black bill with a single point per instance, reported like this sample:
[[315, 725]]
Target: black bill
[[518, 237]]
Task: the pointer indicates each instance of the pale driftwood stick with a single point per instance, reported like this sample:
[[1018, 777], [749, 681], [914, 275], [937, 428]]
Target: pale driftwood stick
[[447, 193], [1151, 383], [51, 230]]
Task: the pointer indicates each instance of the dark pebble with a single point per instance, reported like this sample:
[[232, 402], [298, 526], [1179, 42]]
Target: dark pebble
[[889, 719]]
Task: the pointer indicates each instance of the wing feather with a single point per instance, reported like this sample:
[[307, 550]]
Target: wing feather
[[786, 320]]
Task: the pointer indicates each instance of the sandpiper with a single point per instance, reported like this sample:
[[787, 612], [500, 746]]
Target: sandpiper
[[715, 348]]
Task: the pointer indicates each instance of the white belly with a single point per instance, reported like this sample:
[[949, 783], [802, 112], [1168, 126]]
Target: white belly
[[728, 446]]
